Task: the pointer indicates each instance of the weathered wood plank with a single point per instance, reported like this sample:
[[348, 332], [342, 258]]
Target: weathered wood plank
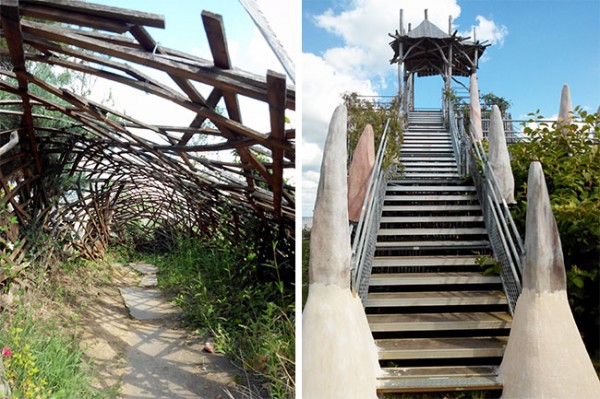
[[98, 10]]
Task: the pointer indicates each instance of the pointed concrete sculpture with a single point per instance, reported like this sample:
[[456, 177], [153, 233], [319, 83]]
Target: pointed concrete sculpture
[[339, 356], [499, 159], [360, 172], [566, 107], [545, 356], [14, 139], [475, 109]]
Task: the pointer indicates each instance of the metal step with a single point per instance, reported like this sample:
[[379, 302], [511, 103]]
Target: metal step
[[431, 219], [435, 298], [431, 279], [392, 187], [431, 208], [441, 348], [433, 169], [419, 245], [431, 198], [412, 261], [439, 321], [421, 158], [443, 231], [438, 378]]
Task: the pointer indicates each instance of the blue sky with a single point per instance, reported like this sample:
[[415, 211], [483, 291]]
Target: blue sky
[[537, 47]]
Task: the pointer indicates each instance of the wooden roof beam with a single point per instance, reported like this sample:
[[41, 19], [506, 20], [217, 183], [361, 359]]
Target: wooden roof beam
[[74, 18], [233, 80], [96, 10]]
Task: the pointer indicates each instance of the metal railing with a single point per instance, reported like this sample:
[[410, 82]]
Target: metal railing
[[505, 240], [365, 232]]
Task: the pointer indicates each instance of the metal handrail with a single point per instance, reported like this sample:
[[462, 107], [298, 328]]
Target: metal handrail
[[504, 237], [368, 221]]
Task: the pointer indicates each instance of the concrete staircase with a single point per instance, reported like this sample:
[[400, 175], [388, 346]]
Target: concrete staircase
[[440, 322]]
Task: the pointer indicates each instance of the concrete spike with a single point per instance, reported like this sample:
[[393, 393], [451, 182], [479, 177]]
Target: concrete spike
[[330, 238], [475, 127], [544, 264], [499, 158], [360, 172], [339, 356], [545, 356], [566, 107]]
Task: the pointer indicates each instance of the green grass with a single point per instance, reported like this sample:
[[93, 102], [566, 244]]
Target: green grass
[[44, 362], [226, 292]]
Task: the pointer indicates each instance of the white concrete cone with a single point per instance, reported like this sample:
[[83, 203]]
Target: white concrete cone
[[475, 109], [339, 356], [499, 159], [566, 107], [359, 174], [545, 356], [12, 142]]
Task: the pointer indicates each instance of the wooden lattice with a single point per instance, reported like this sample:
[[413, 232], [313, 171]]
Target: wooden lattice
[[83, 177]]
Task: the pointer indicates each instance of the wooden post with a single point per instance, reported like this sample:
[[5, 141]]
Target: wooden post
[[401, 87]]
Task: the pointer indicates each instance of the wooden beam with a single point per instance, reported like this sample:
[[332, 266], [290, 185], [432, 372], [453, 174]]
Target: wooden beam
[[96, 10], [74, 18], [233, 80], [276, 95], [215, 32]]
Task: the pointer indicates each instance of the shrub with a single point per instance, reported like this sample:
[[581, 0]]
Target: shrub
[[569, 156]]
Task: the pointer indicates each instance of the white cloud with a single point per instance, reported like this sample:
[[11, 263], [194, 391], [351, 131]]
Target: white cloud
[[310, 183], [488, 30], [361, 63]]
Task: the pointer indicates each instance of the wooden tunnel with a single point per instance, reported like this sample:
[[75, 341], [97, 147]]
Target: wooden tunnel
[[84, 174]]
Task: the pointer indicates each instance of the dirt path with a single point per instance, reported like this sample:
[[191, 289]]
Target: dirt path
[[132, 335]]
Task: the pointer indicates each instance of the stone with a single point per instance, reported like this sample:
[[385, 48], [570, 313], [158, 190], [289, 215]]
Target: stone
[[360, 171], [499, 159], [545, 356], [148, 304], [144, 268], [475, 128], [339, 356]]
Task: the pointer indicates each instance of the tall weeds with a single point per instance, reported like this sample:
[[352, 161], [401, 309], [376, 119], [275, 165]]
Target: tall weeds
[[231, 293]]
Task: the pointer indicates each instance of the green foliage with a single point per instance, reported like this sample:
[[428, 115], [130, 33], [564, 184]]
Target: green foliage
[[491, 99], [569, 157], [43, 363], [242, 300], [362, 112]]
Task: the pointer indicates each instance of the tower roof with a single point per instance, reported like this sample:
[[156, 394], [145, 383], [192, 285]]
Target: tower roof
[[425, 50]]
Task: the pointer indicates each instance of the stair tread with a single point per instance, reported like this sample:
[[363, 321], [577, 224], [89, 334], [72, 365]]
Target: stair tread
[[420, 208], [425, 197], [417, 244], [438, 384], [438, 371], [445, 278], [435, 298], [435, 231], [431, 219], [440, 348], [425, 261], [438, 321], [392, 187]]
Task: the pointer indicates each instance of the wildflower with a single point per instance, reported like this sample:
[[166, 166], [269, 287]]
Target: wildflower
[[6, 351]]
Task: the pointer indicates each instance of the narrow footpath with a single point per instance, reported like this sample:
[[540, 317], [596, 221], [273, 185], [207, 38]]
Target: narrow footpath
[[135, 338]]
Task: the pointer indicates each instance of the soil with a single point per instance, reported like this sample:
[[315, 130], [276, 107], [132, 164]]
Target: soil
[[154, 358]]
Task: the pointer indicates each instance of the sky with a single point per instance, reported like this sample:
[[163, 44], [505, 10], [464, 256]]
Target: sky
[[184, 32], [537, 47]]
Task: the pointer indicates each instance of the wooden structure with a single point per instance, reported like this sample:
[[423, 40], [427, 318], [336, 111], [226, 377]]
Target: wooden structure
[[426, 51], [85, 174]]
